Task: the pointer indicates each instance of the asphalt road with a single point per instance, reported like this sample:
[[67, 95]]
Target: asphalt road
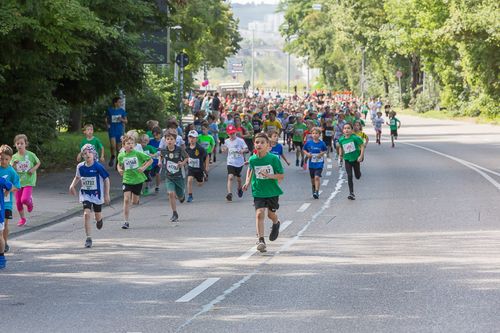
[[418, 251]]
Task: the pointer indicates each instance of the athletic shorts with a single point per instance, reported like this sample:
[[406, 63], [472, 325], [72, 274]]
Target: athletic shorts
[[115, 135], [135, 188], [8, 214], [271, 203], [315, 172], [175, 185], [197, 174], [299, 144], [92, 206], [232, 170], [328, 141], [378, 130], [394, 132]]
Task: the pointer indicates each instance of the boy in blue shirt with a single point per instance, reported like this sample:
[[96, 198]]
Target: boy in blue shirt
[[94, 189], [315, 150], [116, 118], [8, 173], [276, 148], [5, 185]]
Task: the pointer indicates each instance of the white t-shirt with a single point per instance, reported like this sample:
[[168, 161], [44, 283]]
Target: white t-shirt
[[234, 152], [378, 122]]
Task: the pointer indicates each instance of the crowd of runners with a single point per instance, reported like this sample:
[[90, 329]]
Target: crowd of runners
[[253, 133]]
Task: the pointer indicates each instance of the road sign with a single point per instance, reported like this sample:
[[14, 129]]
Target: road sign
[[182, 59], [235, 66], [399, 74]]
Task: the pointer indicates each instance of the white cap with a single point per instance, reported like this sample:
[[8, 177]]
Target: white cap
[[193, 133]]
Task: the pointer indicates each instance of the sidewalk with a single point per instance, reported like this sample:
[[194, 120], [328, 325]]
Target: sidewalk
[[53, 203]]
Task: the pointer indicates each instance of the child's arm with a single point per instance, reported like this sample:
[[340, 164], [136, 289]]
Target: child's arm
[[106, 190], [33, 169], [101, 155], [399, 124], [145, 165], [362, 153], [284, 159], [72, 187], [248, 179], [119, 168]]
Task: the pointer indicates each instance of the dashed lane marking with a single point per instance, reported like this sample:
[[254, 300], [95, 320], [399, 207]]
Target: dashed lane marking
[[198, 290], [325, 182], [251, 251], [304, 207]]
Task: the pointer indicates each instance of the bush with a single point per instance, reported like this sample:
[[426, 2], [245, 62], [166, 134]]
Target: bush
[[423, 103]]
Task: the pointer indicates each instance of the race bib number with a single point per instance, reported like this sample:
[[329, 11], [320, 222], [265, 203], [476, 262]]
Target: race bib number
[[23, 166], [393, 122], [130, 163], [316, 158], [234, 153], [89, 183], [172, 167], [205, 144], [116, 118], [261, 171], [256, 127], [194, 163], [299, 131], [329, 133], [271, 128], [349, 147]]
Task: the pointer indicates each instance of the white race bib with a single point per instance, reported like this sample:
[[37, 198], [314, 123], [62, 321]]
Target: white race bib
[[315, 158], [260, 171], [116, 118], [393, 122], [349, 147], [205, 144], [130, 163], [23, 166], [234, 153], [89, 183], [271, 128], [172, 167], [194, 163], [328, 132]]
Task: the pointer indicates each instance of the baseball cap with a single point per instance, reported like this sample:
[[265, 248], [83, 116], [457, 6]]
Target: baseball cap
[[193, 133], [231, 129]]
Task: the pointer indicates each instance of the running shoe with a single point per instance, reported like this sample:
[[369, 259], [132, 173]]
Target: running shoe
[[240, 192], [261, 246], [7, 248], [21, 222], [181, 200], [125, 225], [190, 198], [302, 163], [175, 217], [229, 197], [316, 195], [98, 224], [111, 162], [3, 262], [88, 242], [275, 231], [157, 189], [351, 196]]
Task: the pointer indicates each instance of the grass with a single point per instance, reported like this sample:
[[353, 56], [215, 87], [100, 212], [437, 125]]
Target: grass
[[446, 115], [60, 153]]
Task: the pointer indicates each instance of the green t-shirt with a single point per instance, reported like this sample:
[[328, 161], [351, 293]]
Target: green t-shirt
[[222, 131], [351, 147], [248, 129], [207, 142], [24, 163], [150, 150], [298, 132], [130, 162], [349, 119], [263, 187], [94, 142], [393, 123]]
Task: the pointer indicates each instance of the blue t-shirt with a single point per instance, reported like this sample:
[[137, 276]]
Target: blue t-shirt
[[213, 130], [155, 143], [315, 148], [277, 150], [116, 126], [4, 185], [11, 175], [92, 182]]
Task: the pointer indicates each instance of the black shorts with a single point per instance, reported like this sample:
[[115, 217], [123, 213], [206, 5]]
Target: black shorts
[[394, 132], [8, 214], [92, 206], [135, 189], [271, 203], [315, 172], [197, 174], [328, 141], [299, 144], [222, 140], [232, 170]]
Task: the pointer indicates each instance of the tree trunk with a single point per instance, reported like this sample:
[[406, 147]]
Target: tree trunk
[[75, 119], [386, 86], [416, 75]]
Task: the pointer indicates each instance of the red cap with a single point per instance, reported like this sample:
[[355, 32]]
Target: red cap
[[231, 129]]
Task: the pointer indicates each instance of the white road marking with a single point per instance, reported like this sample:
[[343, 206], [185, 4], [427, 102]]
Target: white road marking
[[198, 290], [329, 166], [208, 307], [328, 160], [468, 164], [303, 207], [251, 251], [325, 182], [328, 173]]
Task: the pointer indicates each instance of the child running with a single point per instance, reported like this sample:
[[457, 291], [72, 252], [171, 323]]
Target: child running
[[8, 173], [315, 149], [174, 158], [298, 139], [378, 121], [5, 187], [196, 163], [352, 150], [394, 125], [88, 130], [25, 163], [235, 148], [264, 173], [277, 148], [150, 172], [94, 191], [131, 166]]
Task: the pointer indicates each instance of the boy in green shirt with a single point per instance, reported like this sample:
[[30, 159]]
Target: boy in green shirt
[[208, 143], [264, 173], [298, 139], [131, 166], [394, 124], [88, 130], [352, 149], [153, 153]]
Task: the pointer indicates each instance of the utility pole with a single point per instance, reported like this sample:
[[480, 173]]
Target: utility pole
[[288, 73], [253, 69], [362, 83]]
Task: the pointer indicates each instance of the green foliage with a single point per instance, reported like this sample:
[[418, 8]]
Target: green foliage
[[423, 103]]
